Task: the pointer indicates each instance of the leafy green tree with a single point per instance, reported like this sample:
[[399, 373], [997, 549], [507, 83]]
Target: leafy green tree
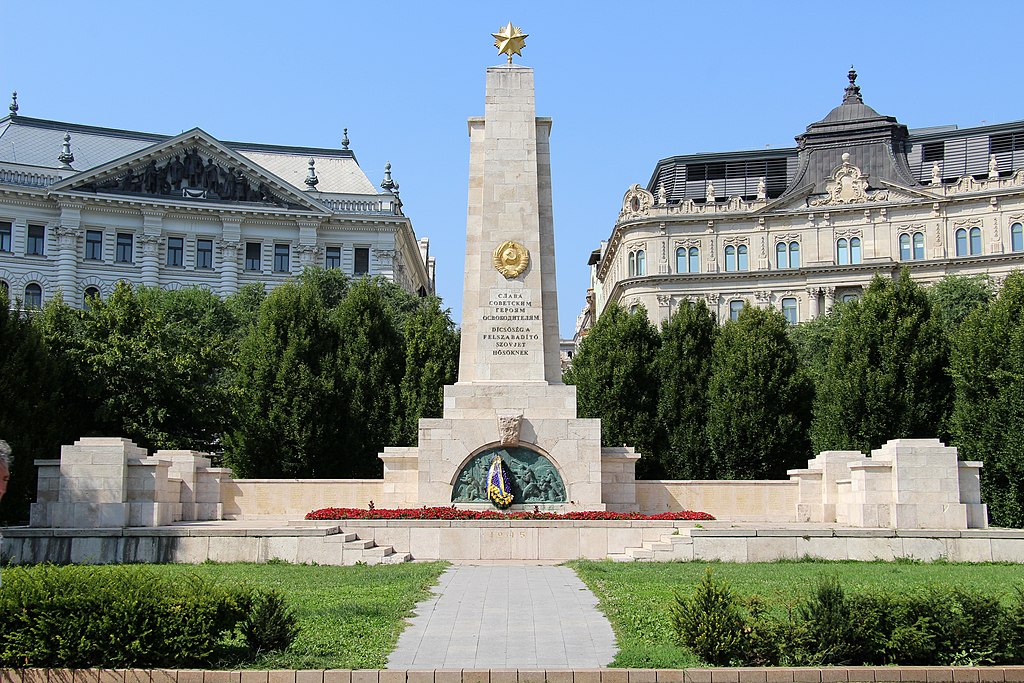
[[987, 366], [758, 399], [955, 297], [886, 375], [31, 417], [613, 371], [431, 361], [813, 341], [683, 367], [286, 388]]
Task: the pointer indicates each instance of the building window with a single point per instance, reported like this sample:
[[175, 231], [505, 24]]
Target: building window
[[632, 264], [789, 310], [918, 246], [730, 258], [123, 251], [854, 250], [842, 253], [94, 245], [33, 296], [204, 254], [641, 262], [735, 306], [253, 260], [787, 256], [694, 260], [333, 259], [175, 251], [282, 253], [741, 258], [847, 298], [933, 151], [362, 261], [90, 294], [5, 237], [36, 240], [962, 243], [681, 263], [1017, 237]]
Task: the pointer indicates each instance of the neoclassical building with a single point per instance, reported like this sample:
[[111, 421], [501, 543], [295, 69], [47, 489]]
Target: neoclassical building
[[83, 207], [802, 228]]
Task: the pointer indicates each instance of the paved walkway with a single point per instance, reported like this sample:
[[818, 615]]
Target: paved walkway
[[506, 617]]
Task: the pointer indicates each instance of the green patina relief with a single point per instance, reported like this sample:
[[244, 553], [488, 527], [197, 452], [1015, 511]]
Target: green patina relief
[[532, 477]]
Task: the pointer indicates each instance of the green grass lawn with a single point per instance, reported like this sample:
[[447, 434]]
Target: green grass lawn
[[637, 596], [350, 616]]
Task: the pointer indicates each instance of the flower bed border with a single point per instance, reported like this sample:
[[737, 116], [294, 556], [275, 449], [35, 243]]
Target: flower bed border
[[453, 513]]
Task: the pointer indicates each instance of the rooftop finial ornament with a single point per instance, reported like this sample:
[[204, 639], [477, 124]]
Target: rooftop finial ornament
[[852, 94], [510, 40], [66, 156], [388, 184], [14, 102], [344, 138], [311, 179]]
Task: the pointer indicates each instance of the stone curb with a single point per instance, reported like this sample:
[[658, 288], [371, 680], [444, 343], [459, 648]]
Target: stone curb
[[852, 674]]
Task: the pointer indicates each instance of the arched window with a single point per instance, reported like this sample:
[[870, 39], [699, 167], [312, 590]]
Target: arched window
[[33, 296], [842, 252], [641, 263], [904, 247], [975, 241], [789, 310], [1017, 237], [847, 298], [781, 256], [681, 260], [694, 260], [735, 306], [632, 264], [741, 257], [730, 258], [854, 250], [794, 254], [90, 293], [961, 242], [918, 246]]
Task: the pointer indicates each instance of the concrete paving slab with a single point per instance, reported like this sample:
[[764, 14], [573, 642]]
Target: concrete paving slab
[[506, 616]]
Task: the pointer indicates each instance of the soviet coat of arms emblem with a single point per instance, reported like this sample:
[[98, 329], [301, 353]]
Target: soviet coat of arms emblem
[[511, 259]]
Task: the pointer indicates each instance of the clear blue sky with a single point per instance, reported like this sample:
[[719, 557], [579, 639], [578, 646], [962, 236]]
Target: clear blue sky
[[626, 83]]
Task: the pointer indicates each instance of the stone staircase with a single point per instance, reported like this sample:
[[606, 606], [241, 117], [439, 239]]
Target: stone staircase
[[355, 550], [670, 547]]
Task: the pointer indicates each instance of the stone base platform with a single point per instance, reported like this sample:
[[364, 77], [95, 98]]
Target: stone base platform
[[388, 541]]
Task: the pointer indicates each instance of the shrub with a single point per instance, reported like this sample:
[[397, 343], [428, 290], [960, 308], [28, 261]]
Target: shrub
[[711, 622], [112, 617], [828, 624], [270, 625]]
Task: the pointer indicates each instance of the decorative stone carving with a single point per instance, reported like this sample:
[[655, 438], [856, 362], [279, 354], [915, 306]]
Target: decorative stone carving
[[309, 253], [763, 297], [66, 236], [993, 167], [150, 244], [762, 189], [509, 425], [662, 195], [936, 174], [709, 193], [848, 186], [511, 259], [966, 183], [533, 478], [664, 299], [636, 202], [712, 301]]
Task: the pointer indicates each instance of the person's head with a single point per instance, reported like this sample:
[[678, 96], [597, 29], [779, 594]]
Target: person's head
[[5, 466]]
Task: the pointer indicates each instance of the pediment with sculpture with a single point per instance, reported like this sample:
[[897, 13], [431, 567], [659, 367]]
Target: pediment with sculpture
[[848, 185]]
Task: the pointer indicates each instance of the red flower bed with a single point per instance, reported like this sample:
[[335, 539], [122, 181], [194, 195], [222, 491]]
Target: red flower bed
[[455, 513]]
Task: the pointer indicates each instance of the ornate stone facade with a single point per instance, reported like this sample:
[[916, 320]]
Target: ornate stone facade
[[802, 228], [82, 208]]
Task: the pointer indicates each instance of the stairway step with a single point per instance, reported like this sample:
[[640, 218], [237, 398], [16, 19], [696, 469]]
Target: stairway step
[[619, 557], [397, 558], [640, 553], [359, 544]]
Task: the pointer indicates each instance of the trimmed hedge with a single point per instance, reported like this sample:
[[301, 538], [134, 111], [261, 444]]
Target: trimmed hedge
[[938, 625], [122, 617]]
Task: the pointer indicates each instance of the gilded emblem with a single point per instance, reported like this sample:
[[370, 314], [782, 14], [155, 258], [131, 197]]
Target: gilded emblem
[[511, 259]]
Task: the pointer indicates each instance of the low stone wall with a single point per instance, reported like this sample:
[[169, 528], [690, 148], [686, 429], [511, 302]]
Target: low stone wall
[[741, 501], [837, 674], [293, 498]]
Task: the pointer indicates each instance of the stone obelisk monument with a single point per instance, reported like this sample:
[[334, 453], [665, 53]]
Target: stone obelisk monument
[[510, 400]]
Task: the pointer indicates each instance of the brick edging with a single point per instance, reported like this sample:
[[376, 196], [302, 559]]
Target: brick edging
[[852, 674]]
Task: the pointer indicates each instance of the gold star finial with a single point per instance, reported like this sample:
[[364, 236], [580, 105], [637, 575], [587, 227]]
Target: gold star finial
[[510, 41]]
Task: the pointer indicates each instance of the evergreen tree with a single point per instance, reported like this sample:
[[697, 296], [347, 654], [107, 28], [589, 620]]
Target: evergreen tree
[[683, 367], [758, 399], [886, 375], [613, 371], [955, 297], [431, 361], [813, 341], [987, 366]]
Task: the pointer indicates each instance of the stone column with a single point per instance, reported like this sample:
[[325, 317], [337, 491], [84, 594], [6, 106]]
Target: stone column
[[307, 248], [152, 237], [812, 299], [830, 297], [67, 233], [228, 267]]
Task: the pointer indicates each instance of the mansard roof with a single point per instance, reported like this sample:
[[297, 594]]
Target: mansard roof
[[37, 142]]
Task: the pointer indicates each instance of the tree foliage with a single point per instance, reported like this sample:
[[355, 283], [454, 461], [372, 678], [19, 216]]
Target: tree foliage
[[758, 399], [955, 297], [682, 365], [615, 380], [987, 367], [886, 374], [431, 361]]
